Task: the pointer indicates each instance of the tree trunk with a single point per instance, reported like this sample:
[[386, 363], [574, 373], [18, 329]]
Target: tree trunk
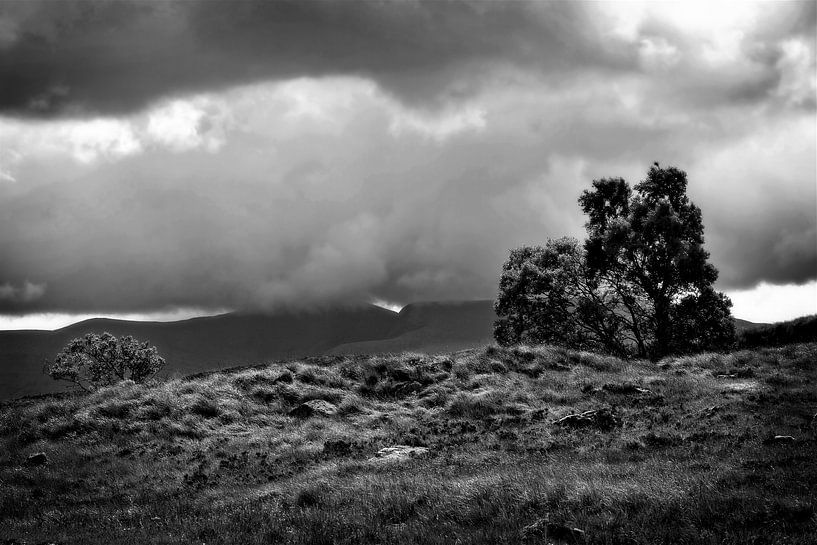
[[662, 328]]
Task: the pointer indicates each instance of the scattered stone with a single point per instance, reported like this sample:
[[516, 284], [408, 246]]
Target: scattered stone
[[37, 459], [603, 419], [626, 388], [552, 532], [337, 446], [400, 452], [314, 407]]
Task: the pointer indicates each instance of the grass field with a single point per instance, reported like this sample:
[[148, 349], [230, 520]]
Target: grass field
[[704, 449]]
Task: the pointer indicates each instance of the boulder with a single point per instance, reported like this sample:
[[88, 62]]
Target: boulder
[[400, 452], [603, 419], [314, 407]]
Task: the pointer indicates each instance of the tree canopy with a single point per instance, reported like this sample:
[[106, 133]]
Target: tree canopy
[[640, 285], [95, 360]]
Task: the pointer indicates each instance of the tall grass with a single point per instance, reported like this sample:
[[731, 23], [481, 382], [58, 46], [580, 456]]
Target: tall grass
[[217, 458]]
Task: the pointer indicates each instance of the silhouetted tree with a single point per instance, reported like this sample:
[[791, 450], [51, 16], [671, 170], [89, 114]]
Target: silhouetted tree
[[95, 360], [640, 286]]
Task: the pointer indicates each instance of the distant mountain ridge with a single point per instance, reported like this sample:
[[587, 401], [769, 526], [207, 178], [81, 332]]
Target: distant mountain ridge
[[234, 339]]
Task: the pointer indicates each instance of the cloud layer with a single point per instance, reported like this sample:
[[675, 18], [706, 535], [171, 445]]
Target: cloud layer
[[172, 155], [74, 57]]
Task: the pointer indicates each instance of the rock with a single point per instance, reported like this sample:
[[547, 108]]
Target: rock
[[314, 407], [551, 532], [603, 419], [400, 452], [37, 459]]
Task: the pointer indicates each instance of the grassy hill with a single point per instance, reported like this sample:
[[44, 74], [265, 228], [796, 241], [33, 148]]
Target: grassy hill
[[526, 445], [215, 342], [799, 330]]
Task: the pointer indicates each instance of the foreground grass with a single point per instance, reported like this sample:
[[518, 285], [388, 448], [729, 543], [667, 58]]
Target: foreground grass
[[216, 458]]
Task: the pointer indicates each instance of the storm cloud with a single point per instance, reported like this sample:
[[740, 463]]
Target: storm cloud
[[169, 155], [77, 57]]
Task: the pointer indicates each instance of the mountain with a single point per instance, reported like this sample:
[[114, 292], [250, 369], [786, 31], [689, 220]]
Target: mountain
[[799, 330], [432, 327], [745, 325], [197, 344], [234, 339]]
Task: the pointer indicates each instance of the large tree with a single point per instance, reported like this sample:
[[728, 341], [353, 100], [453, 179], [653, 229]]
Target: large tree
[[641, 284]]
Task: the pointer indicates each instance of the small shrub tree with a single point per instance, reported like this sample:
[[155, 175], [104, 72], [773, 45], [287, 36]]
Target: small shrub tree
[[95, 360], [640, 285]]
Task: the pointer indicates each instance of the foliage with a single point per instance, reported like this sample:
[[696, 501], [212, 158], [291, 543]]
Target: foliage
[[547, 297], [95, 360], [641, 284]]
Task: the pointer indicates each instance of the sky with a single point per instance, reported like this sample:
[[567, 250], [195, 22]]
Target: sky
[[160, 160]]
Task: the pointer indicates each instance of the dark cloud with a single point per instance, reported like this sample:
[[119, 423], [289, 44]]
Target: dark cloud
[[424, 140], [74, 57]]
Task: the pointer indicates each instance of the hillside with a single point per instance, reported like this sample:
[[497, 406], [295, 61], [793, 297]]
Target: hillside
[[525, 445], [214, 342], [799, 330], [431, 328], [198, 344]]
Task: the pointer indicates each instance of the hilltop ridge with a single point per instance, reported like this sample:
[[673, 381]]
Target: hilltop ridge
[[244, 338]]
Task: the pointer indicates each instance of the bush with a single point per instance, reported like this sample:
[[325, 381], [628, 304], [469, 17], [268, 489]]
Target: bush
[[94, 361]]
